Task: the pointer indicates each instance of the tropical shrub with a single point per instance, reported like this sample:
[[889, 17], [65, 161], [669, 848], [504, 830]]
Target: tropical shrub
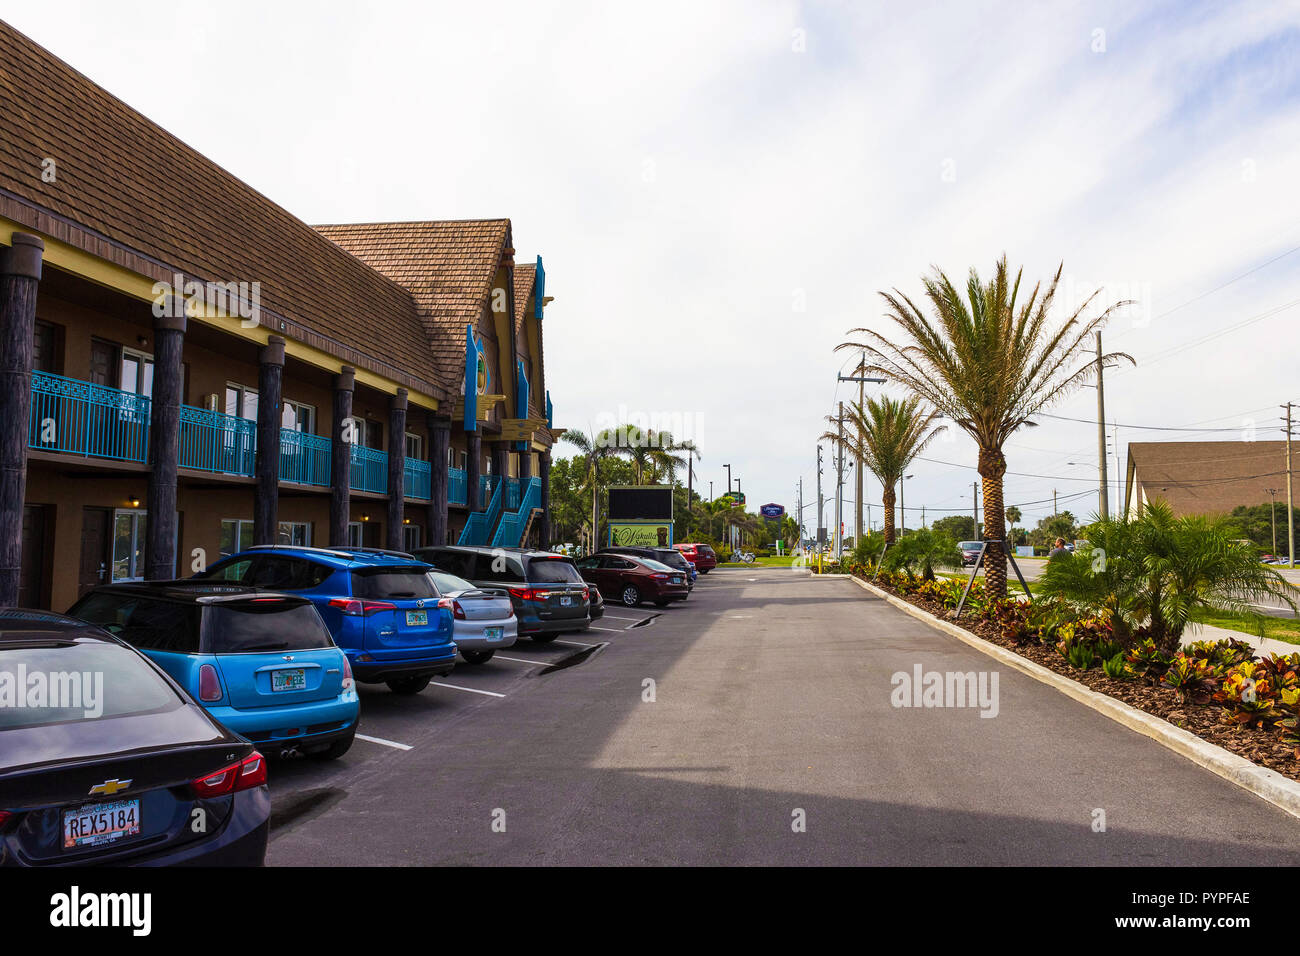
[[1248, 696], [921, 552], [1148, 661], [1193, 678], [1118, 668]]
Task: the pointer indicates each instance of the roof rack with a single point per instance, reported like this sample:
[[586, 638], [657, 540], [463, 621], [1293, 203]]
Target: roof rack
[[388, 551], [335, 552]]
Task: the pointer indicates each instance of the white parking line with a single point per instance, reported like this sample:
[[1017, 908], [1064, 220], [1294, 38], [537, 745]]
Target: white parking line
[[573, 643], [615, 630], [472, 690], [619, 617], [387, 743], [517, 660]]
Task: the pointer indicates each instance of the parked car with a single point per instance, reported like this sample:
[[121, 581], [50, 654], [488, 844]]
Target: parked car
[[484, 618], [970, 552], [549, 595], [701, 555], [381, 607], [262, 663], [125, 781], [631, 579], [669, 556]]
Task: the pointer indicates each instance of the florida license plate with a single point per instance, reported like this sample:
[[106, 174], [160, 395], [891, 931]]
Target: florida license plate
[[295, 679], [98, 823], [493, 633], [417, 618], [566, 601]]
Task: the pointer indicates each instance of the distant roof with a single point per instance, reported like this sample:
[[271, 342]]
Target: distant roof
[[124, 179], [1208, 477], [446, 266]]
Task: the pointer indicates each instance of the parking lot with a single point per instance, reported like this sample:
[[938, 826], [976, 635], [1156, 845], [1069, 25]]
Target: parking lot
[[767, 735]]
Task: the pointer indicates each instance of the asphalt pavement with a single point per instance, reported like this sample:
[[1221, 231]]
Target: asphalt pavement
[[756, 724]]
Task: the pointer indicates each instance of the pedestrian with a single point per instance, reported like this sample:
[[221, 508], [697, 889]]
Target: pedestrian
[[1059, 549]]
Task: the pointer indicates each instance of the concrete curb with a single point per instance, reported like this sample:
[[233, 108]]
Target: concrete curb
[[1267, 784]]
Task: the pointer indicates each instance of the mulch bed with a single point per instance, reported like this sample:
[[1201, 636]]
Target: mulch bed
[[1205, 720]]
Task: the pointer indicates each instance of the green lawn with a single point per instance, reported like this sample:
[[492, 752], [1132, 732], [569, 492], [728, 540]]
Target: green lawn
[[773, 562], [1278, 628]]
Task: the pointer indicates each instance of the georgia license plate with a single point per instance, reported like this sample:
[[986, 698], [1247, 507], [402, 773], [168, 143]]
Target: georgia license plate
[[417, 618], [295, 679], [566, 601], [98, 823], [493, 633]]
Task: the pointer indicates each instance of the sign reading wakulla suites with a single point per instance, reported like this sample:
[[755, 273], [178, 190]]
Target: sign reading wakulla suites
[[641, 534], [641, 516]]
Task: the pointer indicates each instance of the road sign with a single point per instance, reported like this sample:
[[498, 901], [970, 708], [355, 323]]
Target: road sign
[[772, 510]]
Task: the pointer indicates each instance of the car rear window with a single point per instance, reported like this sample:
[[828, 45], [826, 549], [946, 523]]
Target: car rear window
[[553, 571], [263, 624], [970, 545], [392, 583], [654, 565], [143, 622], [81, 682], [449, 583], [672, 558], [704, 549]]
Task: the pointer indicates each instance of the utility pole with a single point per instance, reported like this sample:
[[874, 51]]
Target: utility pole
[[839, 484], [861, 378], [799, 513], [710, 492], [922, 516], [975, 497], [817, 532], [1104, 499], [1272, 514], [1290, 502], [1054, 511]]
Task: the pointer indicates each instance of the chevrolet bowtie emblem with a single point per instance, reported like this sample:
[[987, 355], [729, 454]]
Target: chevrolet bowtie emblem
[[109, 787]]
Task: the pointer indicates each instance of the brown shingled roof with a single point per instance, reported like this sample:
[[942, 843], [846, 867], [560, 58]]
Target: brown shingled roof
[[128, 190], [447, 267], [1207, 477]]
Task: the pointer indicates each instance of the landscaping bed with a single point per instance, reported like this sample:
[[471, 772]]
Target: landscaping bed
[[1199, 689]]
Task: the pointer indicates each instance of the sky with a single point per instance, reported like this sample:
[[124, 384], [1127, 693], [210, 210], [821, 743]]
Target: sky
[[720, 190]]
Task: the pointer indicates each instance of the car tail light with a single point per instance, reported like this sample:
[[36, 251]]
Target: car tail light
[[347, 673], [659, 576], [245, 775], [452, 605], [5, 817], [354, 607], [209, 685], [527, 594]]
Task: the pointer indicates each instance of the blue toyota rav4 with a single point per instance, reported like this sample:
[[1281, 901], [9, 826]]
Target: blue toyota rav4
[[381, 607]]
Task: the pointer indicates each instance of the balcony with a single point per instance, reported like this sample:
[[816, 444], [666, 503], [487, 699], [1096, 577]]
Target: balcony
[[81, 418], [417, 478], [212, 441], [369, 470], [304, 458], [512, 494], [457, 486]]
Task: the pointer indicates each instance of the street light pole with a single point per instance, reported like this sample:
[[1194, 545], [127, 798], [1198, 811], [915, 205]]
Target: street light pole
[[1272, 514], [1104, 499], [1290, 503]]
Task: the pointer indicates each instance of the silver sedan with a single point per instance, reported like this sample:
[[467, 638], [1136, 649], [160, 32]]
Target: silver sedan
[[483, 618]]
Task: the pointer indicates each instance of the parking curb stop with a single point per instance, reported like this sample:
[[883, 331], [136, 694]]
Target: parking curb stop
[[1281, 791]]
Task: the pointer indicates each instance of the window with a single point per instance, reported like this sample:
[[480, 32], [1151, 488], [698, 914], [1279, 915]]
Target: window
[[392, 583], [355, 534], [410, 537], [414, 446], [146, 623], [497, 568], [137, 372], [367, 433], [298, 417], [237, 535], [128, 545], [45, 356], [552, 571], [241, 401], [273, 571], [235, 627]]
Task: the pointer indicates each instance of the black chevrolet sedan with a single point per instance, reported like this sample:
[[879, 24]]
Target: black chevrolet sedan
[[105, 760]]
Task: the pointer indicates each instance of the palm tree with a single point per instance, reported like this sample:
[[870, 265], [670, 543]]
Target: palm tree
[[887, 434], [593, 448], [989, 363]]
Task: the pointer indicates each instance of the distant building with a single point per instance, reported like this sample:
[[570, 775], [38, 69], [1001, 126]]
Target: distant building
[[1204, 477]]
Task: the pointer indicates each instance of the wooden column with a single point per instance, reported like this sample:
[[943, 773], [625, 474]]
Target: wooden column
[[20, 275], [396, 469], [473, 452], [266, 497], [439, 461], [341, 458], [544, 473], [525, 463], [500, 465], [164, 445]]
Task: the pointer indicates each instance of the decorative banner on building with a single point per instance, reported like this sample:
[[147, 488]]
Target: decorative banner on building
[[539, 289], [772, 511], [476, 377], [641, 534]]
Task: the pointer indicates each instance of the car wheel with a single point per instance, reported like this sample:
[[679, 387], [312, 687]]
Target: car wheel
[[544, 638], [408, 685], [476, 657], [338, 748], [631, 596]]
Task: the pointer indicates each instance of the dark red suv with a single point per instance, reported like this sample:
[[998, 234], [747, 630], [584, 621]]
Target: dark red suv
[[630, 580], [701, 555]]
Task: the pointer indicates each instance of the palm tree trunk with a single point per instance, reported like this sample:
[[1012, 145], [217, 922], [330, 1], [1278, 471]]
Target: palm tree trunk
[[992, 466], [889, 497]]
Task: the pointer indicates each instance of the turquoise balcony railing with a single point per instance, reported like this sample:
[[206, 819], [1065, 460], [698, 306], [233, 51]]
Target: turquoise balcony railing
[[485, 488], [212, 441], [456, 486], [304, 458], [478, 527], [369, 470], [510, 532], [512, 494], [417, 478], [85, 419]]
